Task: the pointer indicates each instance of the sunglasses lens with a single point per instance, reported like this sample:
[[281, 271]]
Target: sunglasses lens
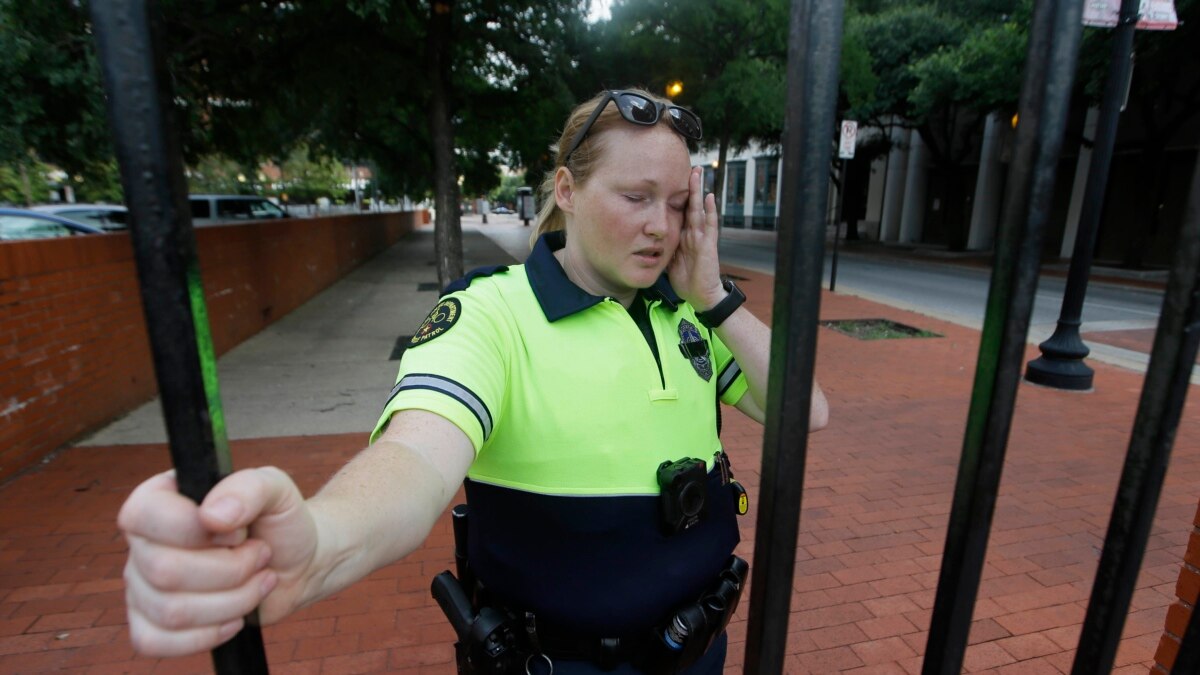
[[637, 109], [685, 123]]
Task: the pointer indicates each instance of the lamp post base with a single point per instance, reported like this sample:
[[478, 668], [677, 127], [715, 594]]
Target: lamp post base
[[1061, 364], [1069, 374]]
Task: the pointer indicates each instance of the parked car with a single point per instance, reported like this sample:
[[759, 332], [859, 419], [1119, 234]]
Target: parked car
[[211, 209], [503, 210], [26, 224], [107, 217]]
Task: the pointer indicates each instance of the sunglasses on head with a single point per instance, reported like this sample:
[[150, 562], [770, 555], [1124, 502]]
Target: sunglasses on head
[[642, 111]]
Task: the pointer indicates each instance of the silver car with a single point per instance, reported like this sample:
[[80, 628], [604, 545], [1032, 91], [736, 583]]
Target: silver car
[[18, 224], [107, 217]]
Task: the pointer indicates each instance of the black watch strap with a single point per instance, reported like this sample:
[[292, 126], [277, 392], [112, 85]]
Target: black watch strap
[[717, 315]]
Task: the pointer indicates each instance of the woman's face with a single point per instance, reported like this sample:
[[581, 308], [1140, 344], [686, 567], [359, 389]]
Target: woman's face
[[623, 223]]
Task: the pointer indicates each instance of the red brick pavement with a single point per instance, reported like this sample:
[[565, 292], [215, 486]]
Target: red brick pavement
[[876, 500], [1138, 339]]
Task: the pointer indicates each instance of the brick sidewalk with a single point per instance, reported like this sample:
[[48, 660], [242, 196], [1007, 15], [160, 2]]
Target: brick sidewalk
[[876, 500]]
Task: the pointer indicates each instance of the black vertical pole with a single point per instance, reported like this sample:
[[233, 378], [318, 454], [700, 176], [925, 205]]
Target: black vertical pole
[[139, 111], [814, 48], [1045, 96], [1061, 364], [1163, 394], [837, 223]]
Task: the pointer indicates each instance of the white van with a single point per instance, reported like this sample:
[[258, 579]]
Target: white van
[[212, 209]]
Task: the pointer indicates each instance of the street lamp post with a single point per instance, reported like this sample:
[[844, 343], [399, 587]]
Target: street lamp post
[[1061, 364]]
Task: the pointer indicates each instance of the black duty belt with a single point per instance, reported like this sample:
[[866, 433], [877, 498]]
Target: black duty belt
[[605, 652], [501, 640]]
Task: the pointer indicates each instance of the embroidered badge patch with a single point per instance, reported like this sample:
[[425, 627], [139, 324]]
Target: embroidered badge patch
[[695, 349], [440, 320]]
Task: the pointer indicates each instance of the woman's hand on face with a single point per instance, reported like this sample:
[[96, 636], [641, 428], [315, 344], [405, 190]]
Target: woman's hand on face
[[695, 271], [195, 570]]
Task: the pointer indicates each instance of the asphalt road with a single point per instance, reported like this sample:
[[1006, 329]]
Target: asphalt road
[[956, 293]]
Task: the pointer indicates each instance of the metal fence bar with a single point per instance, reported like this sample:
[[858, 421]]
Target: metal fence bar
[[814, 49], [1045, 95], [1163, 394], [139, 111]]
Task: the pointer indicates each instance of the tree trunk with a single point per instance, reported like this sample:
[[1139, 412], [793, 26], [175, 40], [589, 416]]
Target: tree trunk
[[954, 216], [720, 174], [447, 225], [26, 188]]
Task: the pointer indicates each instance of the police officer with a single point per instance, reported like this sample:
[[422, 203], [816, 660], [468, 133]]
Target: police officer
[[561, 390]]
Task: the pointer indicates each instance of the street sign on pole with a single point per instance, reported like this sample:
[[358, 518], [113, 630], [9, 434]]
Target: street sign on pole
[[1152, 14], [848, 137]]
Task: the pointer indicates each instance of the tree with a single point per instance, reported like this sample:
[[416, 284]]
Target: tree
[[17, 187], [306, 176], [940, 69], [507, 192], [356, 78], [425, 92], [730, 54], [50, 106]]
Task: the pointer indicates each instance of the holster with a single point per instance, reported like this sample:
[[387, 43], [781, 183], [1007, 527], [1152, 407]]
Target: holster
[[491, 640]]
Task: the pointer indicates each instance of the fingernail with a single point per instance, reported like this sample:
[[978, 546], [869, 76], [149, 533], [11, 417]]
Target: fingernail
[[226, 509], [230, 629]]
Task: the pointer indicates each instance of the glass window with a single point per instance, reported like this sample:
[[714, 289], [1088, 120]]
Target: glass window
[[107, 220], [200, 208], [115, 221], [233, 208], [247, 209], [766, 181], [735, 195], [265, 209], [20, 227]]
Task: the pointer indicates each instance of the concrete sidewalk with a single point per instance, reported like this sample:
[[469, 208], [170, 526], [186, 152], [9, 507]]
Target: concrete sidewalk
[[303, 395]]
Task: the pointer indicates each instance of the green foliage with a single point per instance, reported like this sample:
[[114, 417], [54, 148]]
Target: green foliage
[[306, 176], [506, 193], [256, 80], [729, 54], [13, 185], [50, 100], [858, 79], [896, 38], [982, 72], [217, 174], [98, 181]]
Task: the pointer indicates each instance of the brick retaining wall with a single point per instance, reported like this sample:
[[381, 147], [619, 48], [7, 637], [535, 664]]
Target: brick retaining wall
[[1187, 591], [73, 347]]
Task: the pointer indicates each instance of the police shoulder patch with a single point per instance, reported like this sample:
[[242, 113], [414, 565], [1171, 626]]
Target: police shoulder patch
[[441, 319]]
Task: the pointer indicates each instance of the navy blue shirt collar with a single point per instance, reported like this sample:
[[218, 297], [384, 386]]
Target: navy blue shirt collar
[[560, 297]]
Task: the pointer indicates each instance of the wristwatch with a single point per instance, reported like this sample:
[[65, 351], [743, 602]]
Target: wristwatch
[[717, 315]]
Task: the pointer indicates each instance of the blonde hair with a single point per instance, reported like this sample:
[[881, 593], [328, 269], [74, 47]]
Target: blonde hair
[[550, 218]]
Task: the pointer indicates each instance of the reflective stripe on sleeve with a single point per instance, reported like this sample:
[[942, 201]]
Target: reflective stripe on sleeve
[[727, 377], [450, 388]]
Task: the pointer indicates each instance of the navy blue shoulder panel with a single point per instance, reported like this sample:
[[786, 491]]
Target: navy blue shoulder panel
[[477, 273]]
